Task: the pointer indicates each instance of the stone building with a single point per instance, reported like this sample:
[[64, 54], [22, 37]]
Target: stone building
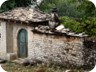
[[24, 33]]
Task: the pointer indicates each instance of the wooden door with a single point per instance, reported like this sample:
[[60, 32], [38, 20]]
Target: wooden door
[[22, 43]]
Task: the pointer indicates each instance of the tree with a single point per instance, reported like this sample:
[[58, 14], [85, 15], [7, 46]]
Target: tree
[[7, 5], [88, 8], [65, 7], [71, 8], [22, 3], [10, 4]]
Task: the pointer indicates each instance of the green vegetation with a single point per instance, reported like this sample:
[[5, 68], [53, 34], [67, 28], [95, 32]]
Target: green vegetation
[[7, 5], [71, 23], [13, 67], [10, 4], [70, 8], [65, 7], [78, 15], [23, 3], [88, 9], [80, 25]]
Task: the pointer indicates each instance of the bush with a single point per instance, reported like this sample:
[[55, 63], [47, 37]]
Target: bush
[[89, 26], [82, 25], [65, 7], [72, 24]]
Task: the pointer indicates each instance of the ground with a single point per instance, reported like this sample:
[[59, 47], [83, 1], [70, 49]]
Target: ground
[[14, 67]]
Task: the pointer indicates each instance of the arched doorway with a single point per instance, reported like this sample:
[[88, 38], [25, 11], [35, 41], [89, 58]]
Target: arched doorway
[[22, 43]]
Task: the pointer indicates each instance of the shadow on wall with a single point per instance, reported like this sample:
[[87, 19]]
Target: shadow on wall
[[90, 52]]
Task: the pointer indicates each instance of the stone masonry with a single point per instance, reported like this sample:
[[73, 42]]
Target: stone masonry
[[47, 48], [3, 49], [60, 49], [57, 49], [63, 48]]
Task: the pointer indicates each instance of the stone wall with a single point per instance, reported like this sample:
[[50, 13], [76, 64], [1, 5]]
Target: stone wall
[[0, 35], [60, 49], [48, 48], [90, 51], [16, 28], [9, 37], [3, 49]]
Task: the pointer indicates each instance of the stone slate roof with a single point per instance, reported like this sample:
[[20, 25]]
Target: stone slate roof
[[28, 14], [63, 31], [25, 14]]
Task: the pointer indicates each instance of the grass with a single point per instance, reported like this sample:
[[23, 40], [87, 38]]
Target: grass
[[14, 67]]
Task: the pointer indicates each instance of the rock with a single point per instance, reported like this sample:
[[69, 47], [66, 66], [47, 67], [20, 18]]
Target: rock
[[25, 62], [71, 33], [67, 71], [11, 56], [60, 27], [32, 63], [2, 61], [39, 61]]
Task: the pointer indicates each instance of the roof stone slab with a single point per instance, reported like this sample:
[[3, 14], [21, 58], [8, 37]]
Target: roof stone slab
[[25, 15], [28, 15]]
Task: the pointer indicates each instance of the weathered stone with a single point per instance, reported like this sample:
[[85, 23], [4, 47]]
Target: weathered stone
[[32, 62], [11, 56], [25, 62], [3, 45], [25, 14], [2, 61], [57, 48]]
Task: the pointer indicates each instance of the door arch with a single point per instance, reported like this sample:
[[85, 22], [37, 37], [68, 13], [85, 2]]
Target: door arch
[[22, 43]]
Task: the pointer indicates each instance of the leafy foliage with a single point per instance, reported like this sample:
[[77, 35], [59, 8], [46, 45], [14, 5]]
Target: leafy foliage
[[88, 8], [71, 23], [14, 67], [65, 7], [78, 15], [10, 4], [22, 3], [71, 8], [7, 5], [88, 26]]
